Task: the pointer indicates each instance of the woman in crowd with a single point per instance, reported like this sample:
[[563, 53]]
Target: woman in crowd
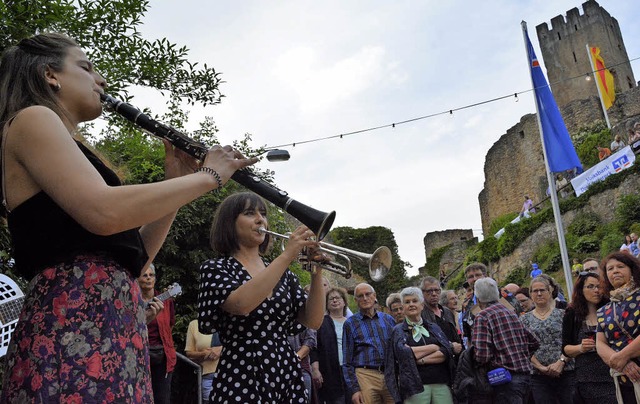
[[449, 299], [553, 376], [327, 357], [162, 353], [418, 359], [80, 237], [255, 305], [523, 297], [204, 349], [617, 339], [593, 382]]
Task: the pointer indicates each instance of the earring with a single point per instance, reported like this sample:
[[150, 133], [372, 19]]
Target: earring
[[57, 87]]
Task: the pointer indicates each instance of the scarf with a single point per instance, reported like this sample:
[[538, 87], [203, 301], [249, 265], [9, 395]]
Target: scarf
[[417, 330], [623, 292]]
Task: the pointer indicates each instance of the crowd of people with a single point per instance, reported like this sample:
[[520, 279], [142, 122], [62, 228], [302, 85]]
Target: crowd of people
[[93, 328]]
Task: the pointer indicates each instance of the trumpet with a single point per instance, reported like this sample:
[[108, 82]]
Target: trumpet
[[379, 262]]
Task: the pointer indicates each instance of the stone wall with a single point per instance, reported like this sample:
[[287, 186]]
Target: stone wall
[[438, 239], [603, 205], [514, 165]]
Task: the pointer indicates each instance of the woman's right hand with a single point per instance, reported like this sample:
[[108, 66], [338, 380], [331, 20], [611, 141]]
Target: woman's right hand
[[587, 345], [317, 377], [225, 160], [299, 239]]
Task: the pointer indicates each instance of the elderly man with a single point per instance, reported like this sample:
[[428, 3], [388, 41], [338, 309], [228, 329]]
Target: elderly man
[[501, 341], [394, 304], [436, 313], [365, 337]]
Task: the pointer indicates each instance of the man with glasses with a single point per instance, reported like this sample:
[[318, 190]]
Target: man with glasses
[[365, 336], [591, 265], [394, 304], [435, 313]]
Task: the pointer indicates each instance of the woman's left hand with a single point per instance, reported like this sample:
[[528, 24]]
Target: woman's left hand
[[151, 311], [177, 163], [618, 362], [632, 371], [556, 368]]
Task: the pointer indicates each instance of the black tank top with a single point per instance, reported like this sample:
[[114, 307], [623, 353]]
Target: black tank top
[[43, 234]]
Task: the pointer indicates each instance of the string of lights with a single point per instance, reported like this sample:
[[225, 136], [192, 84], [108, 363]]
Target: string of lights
[[446, 112]]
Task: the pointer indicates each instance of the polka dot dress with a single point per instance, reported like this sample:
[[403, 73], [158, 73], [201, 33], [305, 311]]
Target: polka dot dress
[[257, 364]]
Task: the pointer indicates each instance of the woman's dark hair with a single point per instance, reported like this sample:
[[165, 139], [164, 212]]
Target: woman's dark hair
[[523, 291], [629, 260], [578, 301], [223, 236], [22, 73], [343, 295]]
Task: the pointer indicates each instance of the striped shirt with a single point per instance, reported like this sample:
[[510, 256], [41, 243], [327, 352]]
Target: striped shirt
[[363, 342]]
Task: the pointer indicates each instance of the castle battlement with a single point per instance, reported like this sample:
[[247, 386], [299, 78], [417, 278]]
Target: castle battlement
[[565, 55]]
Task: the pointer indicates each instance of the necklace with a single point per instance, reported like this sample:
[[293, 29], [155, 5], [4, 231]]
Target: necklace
[[543, 315]]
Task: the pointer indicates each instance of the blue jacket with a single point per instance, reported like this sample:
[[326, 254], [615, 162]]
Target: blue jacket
[[400, 371]]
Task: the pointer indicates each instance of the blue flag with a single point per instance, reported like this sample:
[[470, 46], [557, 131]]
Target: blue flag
[[561, 154]]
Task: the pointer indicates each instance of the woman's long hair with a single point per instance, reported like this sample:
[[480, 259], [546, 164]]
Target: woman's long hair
[[22, 74], [578, 300], [629, 260]]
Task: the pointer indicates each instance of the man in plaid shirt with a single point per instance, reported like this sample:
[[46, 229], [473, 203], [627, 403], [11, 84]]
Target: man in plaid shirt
[[501, 340]]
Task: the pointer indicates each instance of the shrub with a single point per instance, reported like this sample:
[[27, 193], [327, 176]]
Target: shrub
[[432, 267], [584, 224], [587, 244], [519, 276], [500, 222], [587, 149], [628, 212], [457, 281], [610, 242]]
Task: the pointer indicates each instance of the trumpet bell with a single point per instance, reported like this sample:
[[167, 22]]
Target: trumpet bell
[[380, 263]]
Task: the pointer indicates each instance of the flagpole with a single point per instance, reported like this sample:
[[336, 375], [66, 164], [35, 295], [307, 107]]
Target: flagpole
[[552, 183], [593, 70]]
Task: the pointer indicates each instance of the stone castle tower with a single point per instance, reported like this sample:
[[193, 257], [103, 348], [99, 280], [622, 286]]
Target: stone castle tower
[[514, 165], [565, 55]]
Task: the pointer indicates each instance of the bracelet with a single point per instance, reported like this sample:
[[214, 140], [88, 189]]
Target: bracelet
[[213, 172]]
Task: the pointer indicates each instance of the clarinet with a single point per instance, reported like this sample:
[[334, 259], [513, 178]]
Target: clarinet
[[319, 222]]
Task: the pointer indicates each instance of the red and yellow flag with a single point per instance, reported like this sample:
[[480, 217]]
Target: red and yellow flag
[[604, 77]]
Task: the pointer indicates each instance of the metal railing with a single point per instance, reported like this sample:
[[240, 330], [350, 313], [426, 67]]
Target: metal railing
[[186, 383]]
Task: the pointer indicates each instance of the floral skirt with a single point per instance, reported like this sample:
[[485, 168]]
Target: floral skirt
[[81, 338]]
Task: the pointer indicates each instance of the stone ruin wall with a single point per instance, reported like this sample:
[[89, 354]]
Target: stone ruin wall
[[438, 239], [514, 165]]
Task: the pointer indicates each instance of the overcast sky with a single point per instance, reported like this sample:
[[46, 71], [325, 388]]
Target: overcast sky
[[300, 70]]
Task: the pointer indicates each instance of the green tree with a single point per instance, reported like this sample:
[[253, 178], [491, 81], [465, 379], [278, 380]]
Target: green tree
[[367, 240]]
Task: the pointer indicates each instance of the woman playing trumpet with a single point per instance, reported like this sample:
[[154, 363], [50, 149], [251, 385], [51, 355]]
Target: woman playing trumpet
[[255, 305]]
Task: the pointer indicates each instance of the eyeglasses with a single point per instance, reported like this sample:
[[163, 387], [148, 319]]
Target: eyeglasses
[[538, 291], [334, 298], [593, 287], [430, 291], [149, 275]]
